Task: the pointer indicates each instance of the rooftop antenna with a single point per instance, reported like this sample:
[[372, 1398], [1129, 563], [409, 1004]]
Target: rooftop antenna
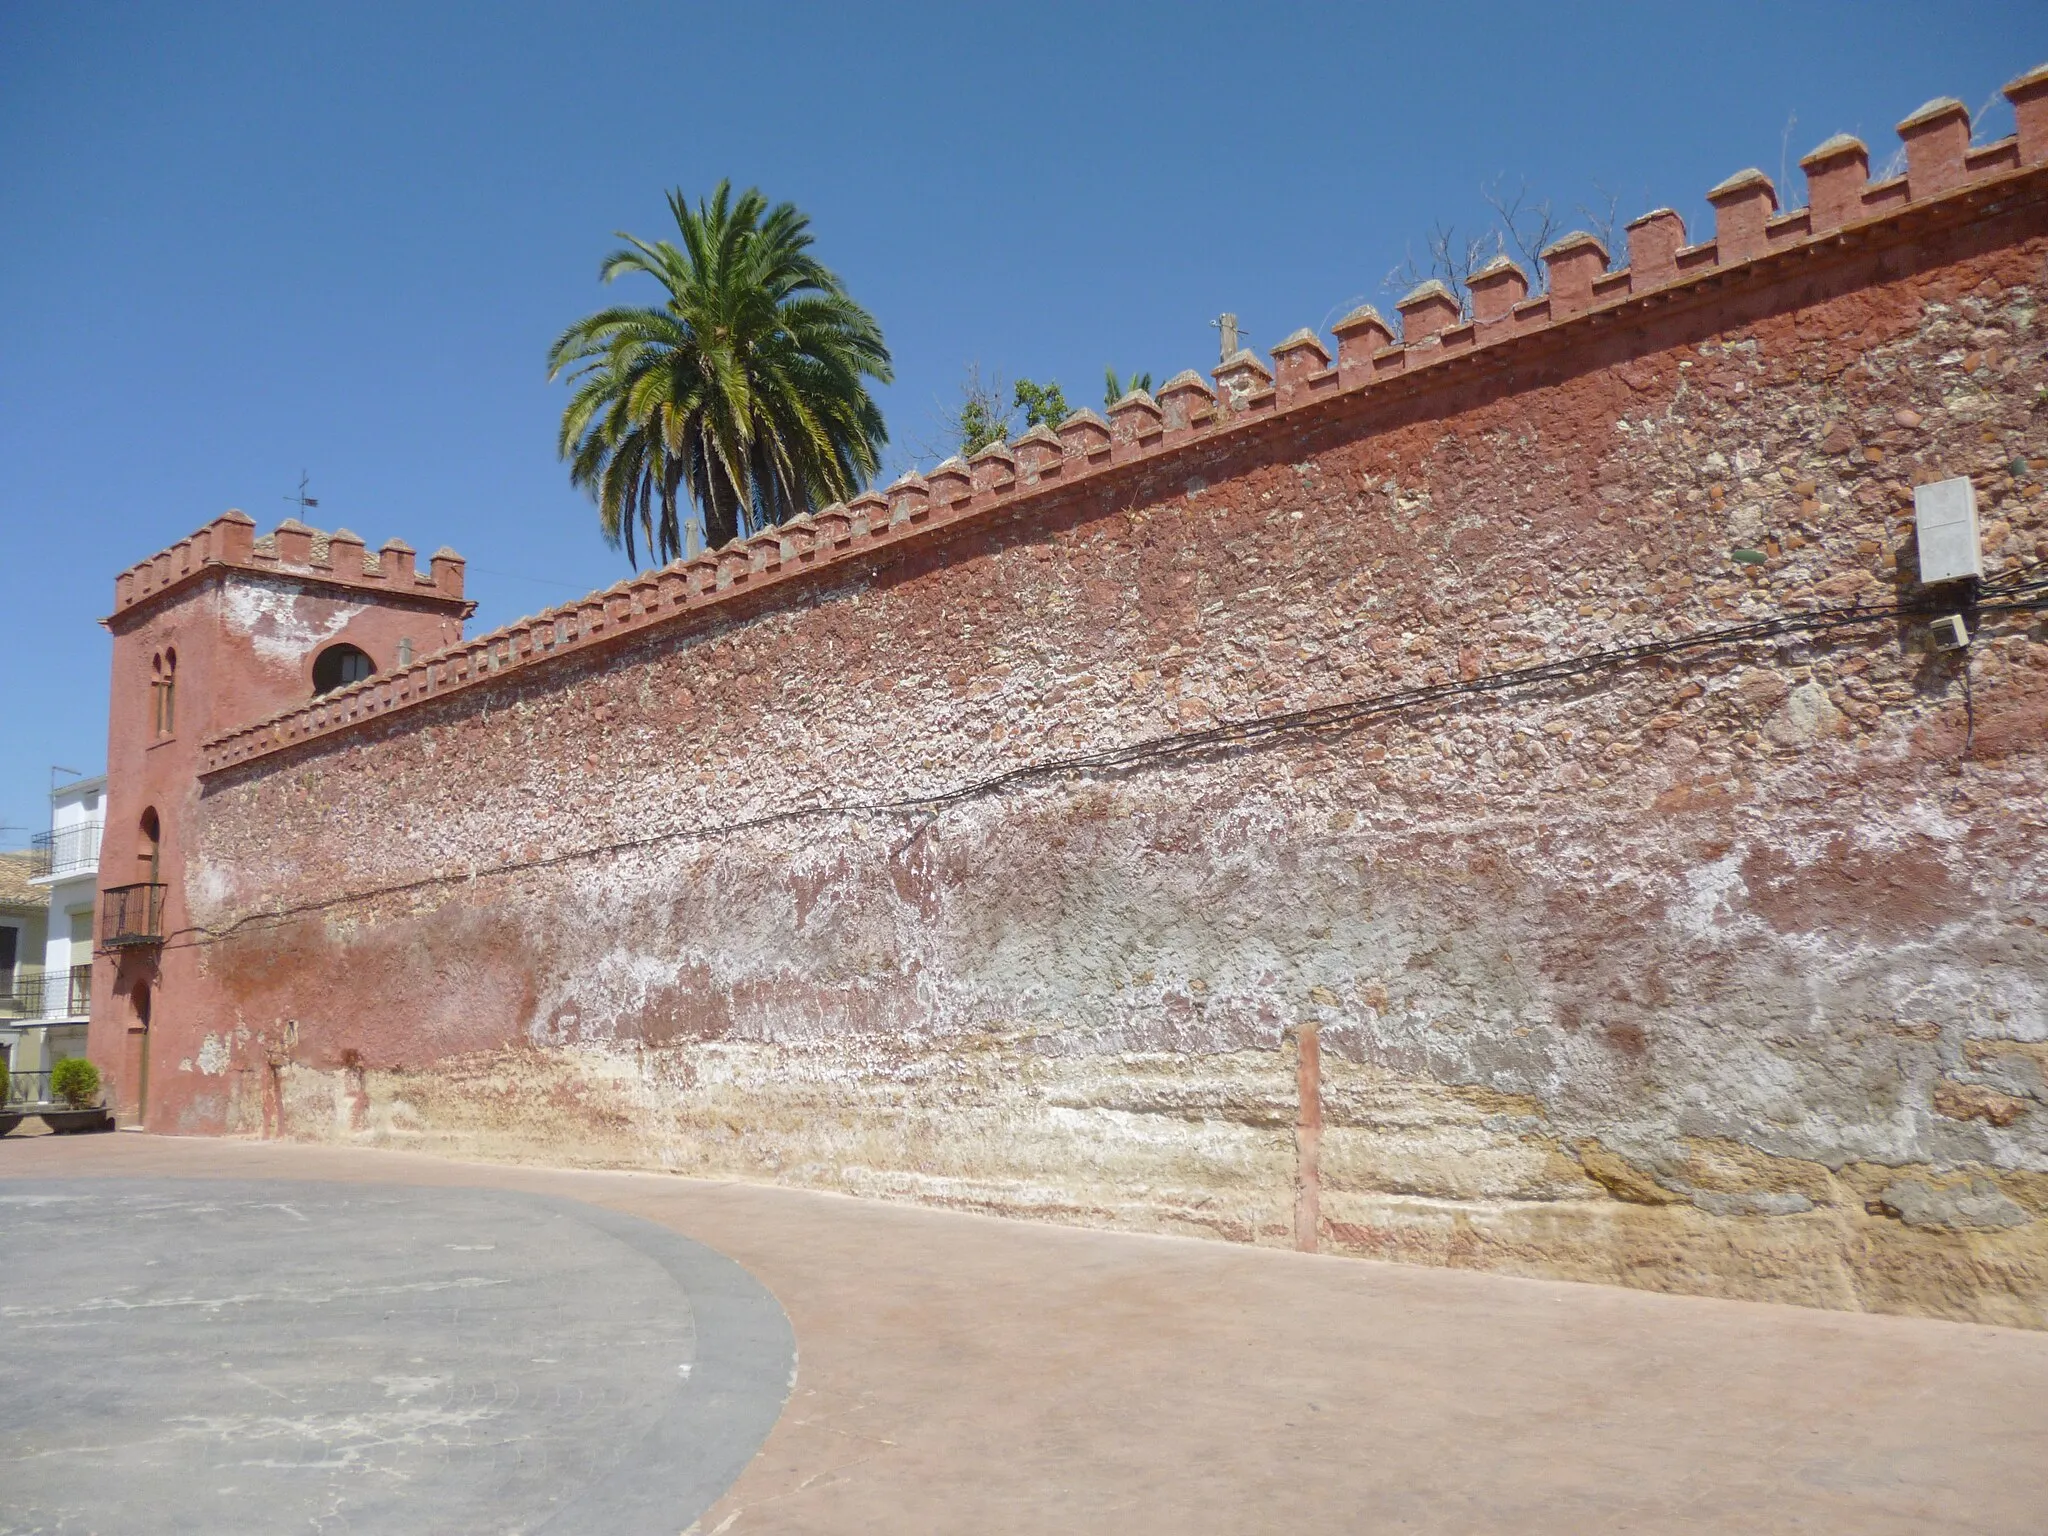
[[56, 769], [306, 503], [1226, 326]]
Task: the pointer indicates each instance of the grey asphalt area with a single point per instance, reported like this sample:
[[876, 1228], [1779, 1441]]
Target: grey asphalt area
[[228, 1356]]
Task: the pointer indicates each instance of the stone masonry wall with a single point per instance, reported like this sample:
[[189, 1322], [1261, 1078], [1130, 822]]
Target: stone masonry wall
[[1723, 974]]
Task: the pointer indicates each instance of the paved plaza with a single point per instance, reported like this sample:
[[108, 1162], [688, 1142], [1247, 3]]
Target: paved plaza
[[225, 1355], [231, 1336]]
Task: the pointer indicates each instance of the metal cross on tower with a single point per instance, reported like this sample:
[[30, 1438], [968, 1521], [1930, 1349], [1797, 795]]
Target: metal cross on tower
[[306, 503]]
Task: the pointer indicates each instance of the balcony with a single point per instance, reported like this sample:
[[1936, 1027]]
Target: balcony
[[21, 996], [131, 916], [66, 851], [32, 995]]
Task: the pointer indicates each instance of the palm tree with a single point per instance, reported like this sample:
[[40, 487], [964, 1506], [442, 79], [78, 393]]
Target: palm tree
[[745, 390], [1114, 389]]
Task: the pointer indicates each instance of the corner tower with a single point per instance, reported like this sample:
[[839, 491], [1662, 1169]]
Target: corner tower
[[218, 631]]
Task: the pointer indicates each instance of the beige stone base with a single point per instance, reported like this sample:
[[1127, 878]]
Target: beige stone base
[[1413, 1171]]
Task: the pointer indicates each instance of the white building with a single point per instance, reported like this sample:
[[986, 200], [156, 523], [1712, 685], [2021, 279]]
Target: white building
[[24, 915], [50, 996]]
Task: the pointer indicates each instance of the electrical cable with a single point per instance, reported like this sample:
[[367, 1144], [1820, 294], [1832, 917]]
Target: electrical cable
[[1969, 714]]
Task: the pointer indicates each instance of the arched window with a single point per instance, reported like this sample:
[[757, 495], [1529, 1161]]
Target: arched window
[[338, 666], [140, 997], [167, 695], [149, 847], [163, 697]]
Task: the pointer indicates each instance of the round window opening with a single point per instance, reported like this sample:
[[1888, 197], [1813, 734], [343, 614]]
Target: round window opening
[[338, 666]]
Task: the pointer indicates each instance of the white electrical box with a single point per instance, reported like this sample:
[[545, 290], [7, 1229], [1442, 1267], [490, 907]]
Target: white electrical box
[[1950, 633], [1945, 523]]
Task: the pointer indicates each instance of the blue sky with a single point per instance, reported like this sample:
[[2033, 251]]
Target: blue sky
[[239, 241]]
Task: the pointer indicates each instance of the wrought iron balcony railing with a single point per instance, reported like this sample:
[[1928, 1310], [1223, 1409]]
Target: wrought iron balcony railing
[[65, 994], [131, 915], [66, 851], [21, 995]]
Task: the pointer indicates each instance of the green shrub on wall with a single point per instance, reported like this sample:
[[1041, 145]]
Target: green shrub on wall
[[76, 1081]]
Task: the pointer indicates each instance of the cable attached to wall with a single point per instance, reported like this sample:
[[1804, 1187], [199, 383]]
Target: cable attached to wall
[[1969, 714]]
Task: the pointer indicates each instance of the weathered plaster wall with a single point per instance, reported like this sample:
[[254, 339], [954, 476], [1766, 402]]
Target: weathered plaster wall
[[1724, 975]]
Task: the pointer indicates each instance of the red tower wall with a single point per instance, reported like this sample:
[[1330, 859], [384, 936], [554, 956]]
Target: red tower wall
[[244, 619]]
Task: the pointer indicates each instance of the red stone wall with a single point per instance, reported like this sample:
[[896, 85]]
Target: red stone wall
[[1720, 974]]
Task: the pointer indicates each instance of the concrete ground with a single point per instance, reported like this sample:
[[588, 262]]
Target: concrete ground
[[234, 1355], [958, 1373]]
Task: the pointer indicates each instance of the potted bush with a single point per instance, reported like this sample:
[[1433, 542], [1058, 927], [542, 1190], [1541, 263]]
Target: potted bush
[[77, 1082]]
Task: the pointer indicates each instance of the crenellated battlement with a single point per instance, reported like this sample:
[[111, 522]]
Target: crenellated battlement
[[292, 549], [1946, 182]]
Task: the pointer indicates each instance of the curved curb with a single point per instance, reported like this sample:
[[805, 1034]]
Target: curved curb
[[742, 1375]]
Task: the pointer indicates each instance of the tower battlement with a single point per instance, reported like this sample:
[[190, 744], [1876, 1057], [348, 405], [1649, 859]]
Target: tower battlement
[[340, 558]]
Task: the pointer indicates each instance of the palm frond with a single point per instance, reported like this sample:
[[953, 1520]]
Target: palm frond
[[745, 390]]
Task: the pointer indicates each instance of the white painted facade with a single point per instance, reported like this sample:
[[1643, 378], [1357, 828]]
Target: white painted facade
[[23, 913], [78, 815]]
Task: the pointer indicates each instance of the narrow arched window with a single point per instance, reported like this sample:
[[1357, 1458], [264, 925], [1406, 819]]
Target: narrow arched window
[[149, 846], [163, 692], [338, 666]]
